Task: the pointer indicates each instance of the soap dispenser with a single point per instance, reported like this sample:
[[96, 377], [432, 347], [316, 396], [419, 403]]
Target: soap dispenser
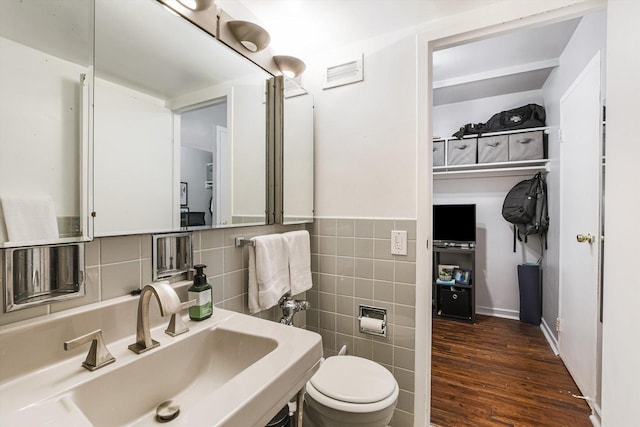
[[201, 292]]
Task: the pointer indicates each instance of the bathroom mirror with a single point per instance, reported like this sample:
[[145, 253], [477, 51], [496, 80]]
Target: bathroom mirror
[[180, 125], [46, 62], [297, 154]]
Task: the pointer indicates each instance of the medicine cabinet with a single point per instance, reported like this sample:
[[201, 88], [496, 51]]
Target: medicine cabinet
[[46, 78], [167, 130]]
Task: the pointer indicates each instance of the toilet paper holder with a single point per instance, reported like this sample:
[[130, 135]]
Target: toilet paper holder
[[375, 320]]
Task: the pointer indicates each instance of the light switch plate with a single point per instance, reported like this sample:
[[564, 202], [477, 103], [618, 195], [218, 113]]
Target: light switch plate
[[398, 242]]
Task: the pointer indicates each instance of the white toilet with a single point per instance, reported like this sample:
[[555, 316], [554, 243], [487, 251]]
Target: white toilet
[[350, 391]]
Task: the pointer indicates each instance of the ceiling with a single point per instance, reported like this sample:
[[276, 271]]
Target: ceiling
[[301, 27], [513, 62]]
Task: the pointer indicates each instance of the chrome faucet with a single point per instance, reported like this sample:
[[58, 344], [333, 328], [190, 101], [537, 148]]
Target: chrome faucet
[[98, 355], [290, 307], [169, 304]]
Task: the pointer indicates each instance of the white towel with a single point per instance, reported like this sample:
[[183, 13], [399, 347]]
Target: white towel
[[30, 218], [299, 261], [268, 271]]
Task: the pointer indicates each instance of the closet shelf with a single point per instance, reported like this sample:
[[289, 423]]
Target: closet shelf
[[490, 169], [509, 168], [504, 132]]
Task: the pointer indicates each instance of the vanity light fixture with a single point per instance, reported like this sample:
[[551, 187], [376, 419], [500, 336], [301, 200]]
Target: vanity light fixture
[[252, 36], [290, 65], [196, 5]]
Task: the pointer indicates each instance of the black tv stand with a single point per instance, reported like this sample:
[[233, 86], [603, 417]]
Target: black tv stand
[[455, 301]]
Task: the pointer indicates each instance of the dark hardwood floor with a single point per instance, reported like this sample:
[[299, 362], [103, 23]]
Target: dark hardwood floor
[[500, 372]]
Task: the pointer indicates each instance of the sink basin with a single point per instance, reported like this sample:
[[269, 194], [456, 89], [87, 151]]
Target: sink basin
[[231, 370], [200, 365]]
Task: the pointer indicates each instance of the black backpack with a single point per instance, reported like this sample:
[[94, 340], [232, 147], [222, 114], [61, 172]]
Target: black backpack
[[526, 208]]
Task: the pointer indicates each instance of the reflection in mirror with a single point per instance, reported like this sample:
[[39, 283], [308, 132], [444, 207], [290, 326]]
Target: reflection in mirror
[[203, 161], [46, 62], [172, 255], [180, 125], [297, 154]]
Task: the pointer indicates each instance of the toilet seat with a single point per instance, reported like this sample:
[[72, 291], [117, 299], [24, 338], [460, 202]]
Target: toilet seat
[[353, 384]]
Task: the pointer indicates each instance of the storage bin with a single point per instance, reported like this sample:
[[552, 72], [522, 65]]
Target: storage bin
[[526, 146], [454, 302], [438, 153], [462, 152], [493, 149]]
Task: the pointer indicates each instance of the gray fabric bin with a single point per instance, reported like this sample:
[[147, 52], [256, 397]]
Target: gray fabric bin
[[438, 153], [462, 151], [493, 149], [526, 146]]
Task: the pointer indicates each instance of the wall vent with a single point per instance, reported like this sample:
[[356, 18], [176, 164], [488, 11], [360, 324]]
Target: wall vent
[[344, 73]]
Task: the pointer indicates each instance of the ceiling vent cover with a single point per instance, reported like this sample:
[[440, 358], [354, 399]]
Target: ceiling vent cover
[[344, 74]]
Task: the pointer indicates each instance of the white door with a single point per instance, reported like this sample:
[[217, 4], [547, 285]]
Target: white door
[[223, 178], [579, 215]]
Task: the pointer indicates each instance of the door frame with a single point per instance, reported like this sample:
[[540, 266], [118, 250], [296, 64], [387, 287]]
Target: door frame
[[459, 29]]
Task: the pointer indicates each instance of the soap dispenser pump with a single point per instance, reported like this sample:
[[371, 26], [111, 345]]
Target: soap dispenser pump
[[201, 292]]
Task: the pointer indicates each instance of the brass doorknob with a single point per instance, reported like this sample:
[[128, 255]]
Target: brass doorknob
[[585, 238]]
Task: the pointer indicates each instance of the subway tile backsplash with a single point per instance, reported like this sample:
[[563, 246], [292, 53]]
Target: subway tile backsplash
[[353, 265], [115, 266]]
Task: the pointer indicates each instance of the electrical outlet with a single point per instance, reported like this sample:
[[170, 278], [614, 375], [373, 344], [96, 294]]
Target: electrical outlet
[[398, 242]]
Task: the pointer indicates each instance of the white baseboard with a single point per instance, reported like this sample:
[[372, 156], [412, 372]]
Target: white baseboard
[[498, 312], [551, 339]]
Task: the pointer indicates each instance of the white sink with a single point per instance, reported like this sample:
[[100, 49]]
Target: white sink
[[232, 370]]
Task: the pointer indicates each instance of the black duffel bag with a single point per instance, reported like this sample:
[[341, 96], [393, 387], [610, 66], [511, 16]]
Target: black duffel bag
[[528, 116]]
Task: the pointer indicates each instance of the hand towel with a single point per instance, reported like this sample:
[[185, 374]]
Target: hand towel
[[299, 261], [30, 218], [268, 271]]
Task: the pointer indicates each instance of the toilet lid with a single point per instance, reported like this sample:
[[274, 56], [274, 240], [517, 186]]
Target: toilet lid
[[353, 379]]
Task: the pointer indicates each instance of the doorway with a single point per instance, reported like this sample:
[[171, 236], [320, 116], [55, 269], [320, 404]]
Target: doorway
[[497, 301], [204, 165]]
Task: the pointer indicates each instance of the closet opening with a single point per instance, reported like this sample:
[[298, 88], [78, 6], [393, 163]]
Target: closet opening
[[504, 352]]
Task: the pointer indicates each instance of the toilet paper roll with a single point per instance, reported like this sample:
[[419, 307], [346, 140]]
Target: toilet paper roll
[[372, 325]]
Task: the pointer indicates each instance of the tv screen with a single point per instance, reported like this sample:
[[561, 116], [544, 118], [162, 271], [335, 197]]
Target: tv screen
[[454, 223]]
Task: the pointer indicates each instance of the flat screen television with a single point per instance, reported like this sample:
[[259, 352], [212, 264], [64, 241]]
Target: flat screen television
[[454, 223]]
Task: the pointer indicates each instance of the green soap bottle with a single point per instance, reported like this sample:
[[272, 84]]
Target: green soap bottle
[[203, 294]]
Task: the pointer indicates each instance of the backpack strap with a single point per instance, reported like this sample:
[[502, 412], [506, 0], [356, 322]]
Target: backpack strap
[[514, 238]]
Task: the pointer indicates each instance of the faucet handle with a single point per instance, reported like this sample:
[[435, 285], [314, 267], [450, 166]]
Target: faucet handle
[[176, 324], [98, 355]]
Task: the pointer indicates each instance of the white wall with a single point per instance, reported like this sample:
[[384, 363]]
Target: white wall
[[365, 150], [39, 151], [496, 264], [448, 118], [133, 149], [497, 290], [621, 341]]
